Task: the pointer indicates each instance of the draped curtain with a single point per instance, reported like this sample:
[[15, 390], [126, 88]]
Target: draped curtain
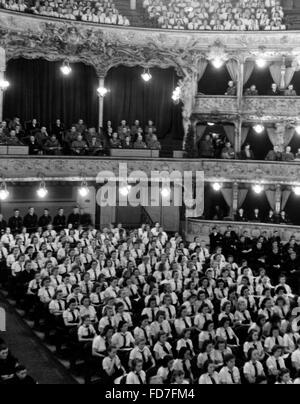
[[245, 132], [39, 90], [282, 80], [270, 194], [227, 195], [242, 196], [131, 98], [285, 197], [232, 67], [200, 130], [202, 68], [230, 133], [281, 136], [248, 70]]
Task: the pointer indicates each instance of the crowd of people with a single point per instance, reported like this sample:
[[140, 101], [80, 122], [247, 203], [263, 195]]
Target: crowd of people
[[252, 91], [144, 306], [94, 11], [217, 15], [79, 140], [11, 371]]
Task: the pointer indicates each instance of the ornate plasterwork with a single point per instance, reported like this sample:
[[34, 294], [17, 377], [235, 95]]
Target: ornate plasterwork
[[25, 168], [203, 228]]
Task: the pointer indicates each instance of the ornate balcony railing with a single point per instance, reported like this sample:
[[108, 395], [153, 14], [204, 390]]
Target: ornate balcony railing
[[251, 108], [203, 228], [26, 168]]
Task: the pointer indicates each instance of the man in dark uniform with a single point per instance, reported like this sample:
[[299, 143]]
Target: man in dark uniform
[[45, 220], [3, 224], [15, 223], [59, 222], [31, 221], [74, 218]]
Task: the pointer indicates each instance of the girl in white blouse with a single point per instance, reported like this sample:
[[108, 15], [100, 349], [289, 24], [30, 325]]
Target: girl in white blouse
[[210, 376]]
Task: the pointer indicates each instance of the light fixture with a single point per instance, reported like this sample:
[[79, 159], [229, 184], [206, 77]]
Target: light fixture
[[83, 190], [261, 63], [125, 190], [217, 63], [4, 84], [146, 76], [165, 192], [217, 186], [297, 128], [210, 124], [66, 68], [259, 128], [102, 91], [297, 190], [42, 192], [258, 189], [4, 193], [176, 94]]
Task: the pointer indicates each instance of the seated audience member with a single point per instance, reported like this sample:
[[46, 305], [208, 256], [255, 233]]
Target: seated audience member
[[290, 91], [274, 91], [297, 156], [247, 153], [232, 89], [228, 152], [95, 146], [8, 365], [206, 148], [153, 143], [288, 155], [139, 143], [240, 216], [274, 155], [52, 146], [79, 146], [115, 142], [22, 377], [251, 91]]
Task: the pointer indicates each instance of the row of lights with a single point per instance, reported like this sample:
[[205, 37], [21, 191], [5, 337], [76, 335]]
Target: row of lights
[[125, 191], [42, 191], [218, 62], [257, 188]]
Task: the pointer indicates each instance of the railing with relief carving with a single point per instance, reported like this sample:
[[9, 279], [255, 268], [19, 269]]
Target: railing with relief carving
[[203, 228]]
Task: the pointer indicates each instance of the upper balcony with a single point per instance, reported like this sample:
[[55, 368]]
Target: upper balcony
[[273, 108]]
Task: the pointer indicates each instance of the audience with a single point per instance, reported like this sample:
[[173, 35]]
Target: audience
[[217, 15], [94, 11], [142, 304], [78, 140]]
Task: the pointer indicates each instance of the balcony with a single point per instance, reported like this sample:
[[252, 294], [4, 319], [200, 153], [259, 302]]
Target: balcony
[[272, 108], [30, 168]]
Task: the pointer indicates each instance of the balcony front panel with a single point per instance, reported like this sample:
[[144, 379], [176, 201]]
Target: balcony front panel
[[272, 108], [215, 105]]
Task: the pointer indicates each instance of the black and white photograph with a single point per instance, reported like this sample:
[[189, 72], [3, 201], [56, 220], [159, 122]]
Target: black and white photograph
[[149, 195]]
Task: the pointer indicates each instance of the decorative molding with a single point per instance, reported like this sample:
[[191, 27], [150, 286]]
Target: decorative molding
[[29, 168], [267, 109], [203, 228]]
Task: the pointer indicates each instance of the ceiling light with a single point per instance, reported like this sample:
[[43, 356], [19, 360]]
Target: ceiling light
[[102, 91], [42, 192], [4, 84], [217, 63], [83, 190], [66, 68], [261, 63], [146, 76], [258, 189], [259, 128], [125, 190], [297, 190], [165, 192], [297, 128], [217, 186], [4, 193]]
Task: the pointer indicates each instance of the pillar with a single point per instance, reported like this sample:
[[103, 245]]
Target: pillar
[[101, 103], [235, 199], [2, 71], [278, 198], [240, 84], [238, 135]]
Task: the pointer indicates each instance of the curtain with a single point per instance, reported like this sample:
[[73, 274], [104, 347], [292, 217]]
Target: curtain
[[131, 98], [270, 194], [289, 75], [281, 135], [200, 130], [248, 70], [202, 68], [232, 67], [285, 197], [230, 133], [275, 70], [227, 195], [245, 132], [39, 90], [242, 196]]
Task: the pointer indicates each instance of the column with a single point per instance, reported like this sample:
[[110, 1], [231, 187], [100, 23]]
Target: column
[[2, 71], [278, 198], [240, 84], [238, 136], [101, 103], [132, 4], [235, 199]]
